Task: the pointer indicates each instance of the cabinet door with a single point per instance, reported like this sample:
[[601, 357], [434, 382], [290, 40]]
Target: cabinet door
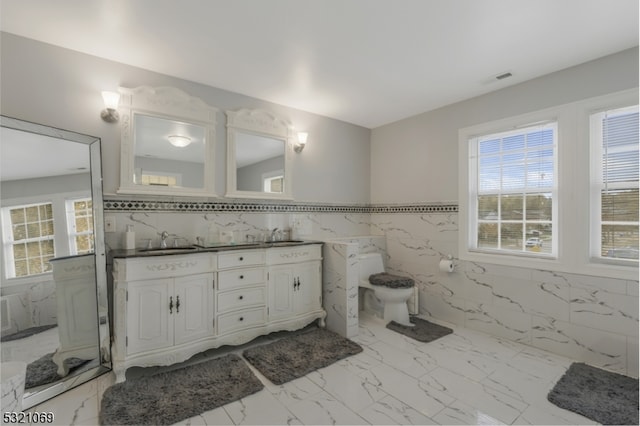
[[77, 326], [193, 310], [280, 291], [150, 323], [307, 290]]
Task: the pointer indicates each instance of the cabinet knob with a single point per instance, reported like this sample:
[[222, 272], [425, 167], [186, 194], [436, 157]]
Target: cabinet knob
[[241, 318], [241, 258], [241, 277], [241, 297]]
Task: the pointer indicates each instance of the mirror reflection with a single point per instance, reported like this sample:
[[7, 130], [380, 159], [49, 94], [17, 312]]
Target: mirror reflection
[[168, 153], [167, 143], [49, 298], [258, 155], [259, 163]]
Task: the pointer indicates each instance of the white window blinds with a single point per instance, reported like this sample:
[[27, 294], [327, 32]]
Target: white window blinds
[[513, 190], [615, 171]]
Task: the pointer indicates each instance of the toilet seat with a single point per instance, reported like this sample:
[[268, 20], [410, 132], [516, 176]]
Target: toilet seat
[[392, 291]]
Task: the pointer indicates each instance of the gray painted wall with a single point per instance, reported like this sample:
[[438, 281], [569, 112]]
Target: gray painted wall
[[416, 159], [61, 88], [26, 188], [249, 178]]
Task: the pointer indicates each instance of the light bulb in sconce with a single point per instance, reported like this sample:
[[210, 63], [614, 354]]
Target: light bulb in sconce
[[179, 141], [110, 111], [302, 141]]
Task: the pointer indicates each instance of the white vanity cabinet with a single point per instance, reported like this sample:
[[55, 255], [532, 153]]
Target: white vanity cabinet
[[168, 308], [163, 309], [295, 283]]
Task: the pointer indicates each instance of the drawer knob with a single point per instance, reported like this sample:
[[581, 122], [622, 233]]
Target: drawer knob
[[241, 297], [241, 277], [241, 258], [241, 318]]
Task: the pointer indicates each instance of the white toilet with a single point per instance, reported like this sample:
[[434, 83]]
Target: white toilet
[[392, 299]]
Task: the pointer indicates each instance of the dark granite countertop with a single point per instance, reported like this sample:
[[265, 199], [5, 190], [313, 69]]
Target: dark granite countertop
[[122, 253]]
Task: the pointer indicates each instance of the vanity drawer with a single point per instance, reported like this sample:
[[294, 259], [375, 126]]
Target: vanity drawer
[[303, 253], [241, 278], [242, 319], [237, 299], [238, 259], [145, 268]]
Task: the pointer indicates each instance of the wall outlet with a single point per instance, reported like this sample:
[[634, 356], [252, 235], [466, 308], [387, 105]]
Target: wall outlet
[[109, 224]]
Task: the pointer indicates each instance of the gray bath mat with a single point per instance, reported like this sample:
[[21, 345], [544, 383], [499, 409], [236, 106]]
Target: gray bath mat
[[169, 397], [294, 356], [44, 371], [423, 330], [26, 333], [602, 396]]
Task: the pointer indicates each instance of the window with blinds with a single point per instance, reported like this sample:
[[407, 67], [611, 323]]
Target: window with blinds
[[615, 170], [513, 190]]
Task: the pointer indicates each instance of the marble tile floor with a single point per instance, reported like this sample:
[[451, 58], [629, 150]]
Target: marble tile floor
[[464, 378]]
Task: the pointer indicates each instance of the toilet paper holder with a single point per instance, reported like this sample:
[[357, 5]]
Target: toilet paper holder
[[446, 265]]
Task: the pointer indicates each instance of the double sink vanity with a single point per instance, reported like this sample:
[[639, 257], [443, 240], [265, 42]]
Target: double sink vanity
[[172, 303]]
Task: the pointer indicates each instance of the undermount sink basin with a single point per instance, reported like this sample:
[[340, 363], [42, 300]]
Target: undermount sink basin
[[169, 250]]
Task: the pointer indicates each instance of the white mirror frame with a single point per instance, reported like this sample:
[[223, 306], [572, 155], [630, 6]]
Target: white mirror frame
[[172, 104], [262, 123]]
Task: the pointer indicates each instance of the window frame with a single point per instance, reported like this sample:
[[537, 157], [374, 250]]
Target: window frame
[[72, 233], [474, 192], [595, 148], [61, 242], [270, 176], [573, 183], [9, 242]]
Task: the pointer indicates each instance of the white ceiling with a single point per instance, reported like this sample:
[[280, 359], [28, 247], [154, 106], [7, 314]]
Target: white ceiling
[[368, 62], [26, 155]]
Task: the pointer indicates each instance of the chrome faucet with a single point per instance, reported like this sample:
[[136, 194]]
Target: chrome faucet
[[163, 239], [273, 234]]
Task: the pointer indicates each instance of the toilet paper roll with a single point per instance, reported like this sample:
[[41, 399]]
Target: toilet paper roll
[[446, 265]]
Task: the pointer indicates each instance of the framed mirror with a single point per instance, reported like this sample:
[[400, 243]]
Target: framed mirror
[[168, 143], [53, 289], [259, 146]]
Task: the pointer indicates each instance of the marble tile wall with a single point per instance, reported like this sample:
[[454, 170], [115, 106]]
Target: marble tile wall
[[591, 319], [189, 225], [339, 294], [340, 280], [30, 305]]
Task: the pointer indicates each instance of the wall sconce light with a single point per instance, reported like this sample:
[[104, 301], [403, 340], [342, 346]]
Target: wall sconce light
[[302, 141], [110, 113], [179, 141]]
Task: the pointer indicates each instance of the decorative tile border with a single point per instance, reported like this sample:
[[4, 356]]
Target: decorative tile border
[[270, 207], [414, 208]]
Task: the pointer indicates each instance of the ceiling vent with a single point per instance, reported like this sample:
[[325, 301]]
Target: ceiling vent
[[503, 76]]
